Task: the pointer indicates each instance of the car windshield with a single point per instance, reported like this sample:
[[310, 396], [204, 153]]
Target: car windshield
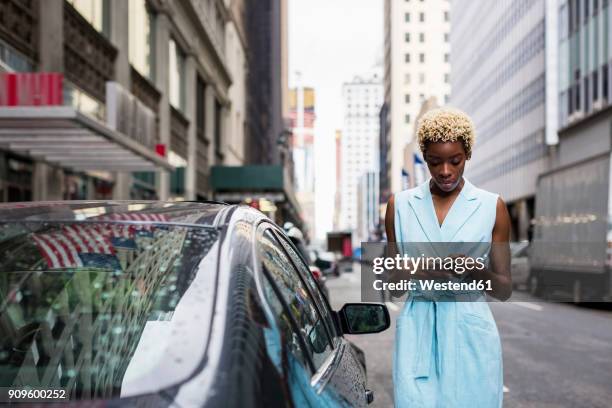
[[103, 310]]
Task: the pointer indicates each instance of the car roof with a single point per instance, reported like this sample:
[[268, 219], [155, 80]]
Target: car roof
[[204, 213]]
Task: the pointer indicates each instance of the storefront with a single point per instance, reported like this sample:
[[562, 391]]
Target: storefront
[[87, 151]]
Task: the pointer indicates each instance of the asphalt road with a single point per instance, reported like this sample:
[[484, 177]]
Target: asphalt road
[[555, 354]]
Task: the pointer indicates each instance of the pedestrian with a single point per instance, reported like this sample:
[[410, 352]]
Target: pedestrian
[[447, 348]]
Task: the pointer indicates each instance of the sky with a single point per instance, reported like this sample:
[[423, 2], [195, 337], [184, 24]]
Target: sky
[[331, 41]]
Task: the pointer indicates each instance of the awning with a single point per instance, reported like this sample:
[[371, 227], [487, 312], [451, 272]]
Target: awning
[[62, 136], [271, 182]]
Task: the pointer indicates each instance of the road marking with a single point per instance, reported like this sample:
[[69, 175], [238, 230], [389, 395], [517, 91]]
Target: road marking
[[392, 306], [506, 389], [528, 305]]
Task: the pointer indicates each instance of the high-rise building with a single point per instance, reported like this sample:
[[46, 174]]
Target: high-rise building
[[417, 67], [302, 119], [337, 194], [504, 75], [368, 213], [585, 60], [267, 85], [363, 97], [384, 158]]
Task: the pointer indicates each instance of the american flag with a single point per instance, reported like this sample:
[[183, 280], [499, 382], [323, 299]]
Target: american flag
[[122, 235], [63, 249], [309, 118], [78, 245]]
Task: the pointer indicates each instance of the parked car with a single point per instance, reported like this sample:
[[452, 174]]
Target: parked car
[[320, 279], [326, 261], [520, 264], [182, 304], [297, 238]]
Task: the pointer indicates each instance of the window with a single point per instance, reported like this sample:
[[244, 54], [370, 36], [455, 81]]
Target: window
[[200, 108], [297, 301], [446, 98], [446, 37], [407, 98], [595, 86], [407, 79], [447, 78], [421, 77], [604, 82], [587, 99], [407, 118], [422, 17], [296, 345], [422, 37], [421, 57], [218, 128], [140, 42], [407, 37], [447, 57], [177, 75], [407, 17], [95, 12], [570, 12], [407, 58], [577, 90], [446, 16]]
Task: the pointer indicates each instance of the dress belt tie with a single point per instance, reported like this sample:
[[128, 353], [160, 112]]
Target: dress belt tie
[[428, 342]]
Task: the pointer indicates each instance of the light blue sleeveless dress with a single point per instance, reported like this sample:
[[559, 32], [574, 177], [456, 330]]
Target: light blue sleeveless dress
[[447, 353]]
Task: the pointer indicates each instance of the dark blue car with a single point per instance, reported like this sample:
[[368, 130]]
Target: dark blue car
[[158, 304]]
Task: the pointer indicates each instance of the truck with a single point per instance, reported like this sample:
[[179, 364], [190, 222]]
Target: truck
[[571, 250], [340, 242]]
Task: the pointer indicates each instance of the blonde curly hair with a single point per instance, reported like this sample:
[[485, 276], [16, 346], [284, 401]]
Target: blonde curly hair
[[446, 125]]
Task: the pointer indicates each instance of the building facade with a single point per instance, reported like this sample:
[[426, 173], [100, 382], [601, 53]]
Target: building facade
[[174, 68], [302, 121], [362, 98], [585, 103], [384, 159], [585, 50], [417, 67], [267, 82], [504, 77], [266, 180], [338, 174]]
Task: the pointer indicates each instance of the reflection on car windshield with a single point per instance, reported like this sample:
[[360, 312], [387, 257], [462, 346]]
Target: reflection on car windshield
[[76, 297]]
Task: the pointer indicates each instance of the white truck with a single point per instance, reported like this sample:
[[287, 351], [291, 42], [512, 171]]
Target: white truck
[[570, 255]]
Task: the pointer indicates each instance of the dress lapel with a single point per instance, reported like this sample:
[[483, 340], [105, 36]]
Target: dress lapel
[[423, 209], [466, 203]]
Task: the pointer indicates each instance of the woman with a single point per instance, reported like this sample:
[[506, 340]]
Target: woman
[[447, 349]]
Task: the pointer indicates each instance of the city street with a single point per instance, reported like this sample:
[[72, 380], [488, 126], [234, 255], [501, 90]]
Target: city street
[[555, 355]]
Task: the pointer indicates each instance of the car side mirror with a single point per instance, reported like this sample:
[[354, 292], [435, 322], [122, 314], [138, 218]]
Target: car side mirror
[[363, 318]]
